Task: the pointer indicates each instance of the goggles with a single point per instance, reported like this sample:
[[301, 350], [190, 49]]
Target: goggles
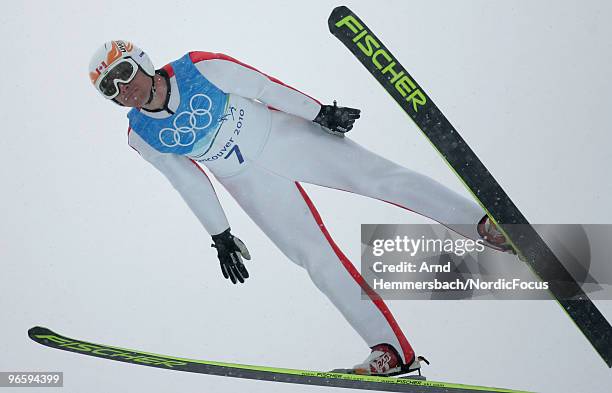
[[123, 71]]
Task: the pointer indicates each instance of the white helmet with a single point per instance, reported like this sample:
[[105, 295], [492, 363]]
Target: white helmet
[[108, 57]]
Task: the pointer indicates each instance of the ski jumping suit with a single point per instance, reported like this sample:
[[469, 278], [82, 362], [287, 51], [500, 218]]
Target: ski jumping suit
[[256, 135]]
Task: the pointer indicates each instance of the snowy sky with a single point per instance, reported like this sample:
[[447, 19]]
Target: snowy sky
[[92, 238]]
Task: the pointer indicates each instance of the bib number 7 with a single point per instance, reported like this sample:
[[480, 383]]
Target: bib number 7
[[238, 154]]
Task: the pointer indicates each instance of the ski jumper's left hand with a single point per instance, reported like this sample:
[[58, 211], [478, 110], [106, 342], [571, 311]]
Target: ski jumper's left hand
[[336, 119], [230, 251]]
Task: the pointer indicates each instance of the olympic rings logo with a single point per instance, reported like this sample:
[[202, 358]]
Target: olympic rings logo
[[187, 123]]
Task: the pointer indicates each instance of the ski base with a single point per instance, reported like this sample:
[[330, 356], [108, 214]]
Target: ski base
[[48, 338]]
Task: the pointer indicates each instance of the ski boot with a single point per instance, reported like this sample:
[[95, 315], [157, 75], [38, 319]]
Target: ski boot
[[385, 361], [491, 234]]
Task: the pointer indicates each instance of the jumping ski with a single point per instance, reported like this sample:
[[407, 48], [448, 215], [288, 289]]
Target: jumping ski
[[46, 337], [530, 247]]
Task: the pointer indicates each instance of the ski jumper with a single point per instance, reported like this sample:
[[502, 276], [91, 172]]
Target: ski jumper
[[256, 136]]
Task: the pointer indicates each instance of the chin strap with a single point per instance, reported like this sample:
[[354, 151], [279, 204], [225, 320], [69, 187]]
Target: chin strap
[[152, 93]]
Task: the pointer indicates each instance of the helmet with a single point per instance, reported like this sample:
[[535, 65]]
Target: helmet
[[110, 54]]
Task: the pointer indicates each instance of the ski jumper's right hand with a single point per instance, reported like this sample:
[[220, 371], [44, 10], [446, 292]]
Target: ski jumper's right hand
[[337, 120], [230, 251]]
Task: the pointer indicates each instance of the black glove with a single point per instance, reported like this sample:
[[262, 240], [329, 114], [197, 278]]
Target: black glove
[[337, 120], [230, 251]]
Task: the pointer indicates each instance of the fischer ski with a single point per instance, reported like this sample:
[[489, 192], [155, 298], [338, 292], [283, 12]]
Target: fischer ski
[[46, 337], [530, 247]]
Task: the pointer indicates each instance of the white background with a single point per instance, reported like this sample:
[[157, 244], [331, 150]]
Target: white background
[[95, 244]]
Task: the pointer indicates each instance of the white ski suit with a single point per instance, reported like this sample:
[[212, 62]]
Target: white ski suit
[[261, 155]]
